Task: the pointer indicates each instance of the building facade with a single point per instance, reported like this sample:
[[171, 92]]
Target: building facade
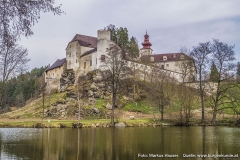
[[53, 73], [85, 54]]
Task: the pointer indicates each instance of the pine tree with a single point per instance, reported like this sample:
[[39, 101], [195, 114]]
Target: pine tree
[[214, 73], [120, 37], [133, 50]]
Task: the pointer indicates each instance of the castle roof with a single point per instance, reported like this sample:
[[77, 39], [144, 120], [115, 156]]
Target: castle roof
[[58, 63], [86, 41], [89, 52], [166, 57]]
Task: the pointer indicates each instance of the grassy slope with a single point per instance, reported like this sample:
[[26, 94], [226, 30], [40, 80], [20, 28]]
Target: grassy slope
[[34, 108]]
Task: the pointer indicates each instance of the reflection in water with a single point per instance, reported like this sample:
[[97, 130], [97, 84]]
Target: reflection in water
[[203, 140], [116, 143]]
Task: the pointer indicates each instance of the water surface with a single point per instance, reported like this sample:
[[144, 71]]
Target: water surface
[[119, 143]]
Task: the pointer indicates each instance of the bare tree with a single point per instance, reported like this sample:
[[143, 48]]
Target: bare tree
[[185, 93], [80, 93], [186, 67], [223, 56], [114, 69], [200, 55], [187, 98], [18, 16], [13, 60], [161, 89]]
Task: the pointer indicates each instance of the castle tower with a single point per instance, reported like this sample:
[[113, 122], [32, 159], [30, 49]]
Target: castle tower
[[146, 50], [103, 41]]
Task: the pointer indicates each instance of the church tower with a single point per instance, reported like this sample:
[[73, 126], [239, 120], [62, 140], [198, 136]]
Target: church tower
[[146, 50]]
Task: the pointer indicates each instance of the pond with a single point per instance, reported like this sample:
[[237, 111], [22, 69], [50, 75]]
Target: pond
[[120, 143]]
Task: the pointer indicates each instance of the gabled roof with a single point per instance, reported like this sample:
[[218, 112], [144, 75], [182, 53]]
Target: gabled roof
[[58, 63], [86, 41], [89, 52], [169, 56]]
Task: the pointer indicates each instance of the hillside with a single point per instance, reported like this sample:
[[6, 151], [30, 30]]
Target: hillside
[[180, 105]]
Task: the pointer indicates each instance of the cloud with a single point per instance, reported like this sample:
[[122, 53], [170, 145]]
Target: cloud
[[170, 24]]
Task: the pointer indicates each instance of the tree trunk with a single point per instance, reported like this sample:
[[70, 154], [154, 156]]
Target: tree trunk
[[214, 116], [161, 112], [113, 106], [216, 105], [113, 103], [201, 96]]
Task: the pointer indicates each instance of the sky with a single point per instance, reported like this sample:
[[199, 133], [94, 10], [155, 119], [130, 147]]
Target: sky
[[170, 24]]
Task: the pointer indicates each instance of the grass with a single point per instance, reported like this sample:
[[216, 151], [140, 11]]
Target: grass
[[34, 107], [138, 107], [101, 103]]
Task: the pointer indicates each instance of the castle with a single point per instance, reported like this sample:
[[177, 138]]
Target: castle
[[86, 53]]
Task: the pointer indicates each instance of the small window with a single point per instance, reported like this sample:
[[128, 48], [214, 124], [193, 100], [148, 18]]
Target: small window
[[162, 66], [76, 60], [90, 62], [84, 65], [102, 58], [69, 54], [96, 60], [164, 58], [167, 65]]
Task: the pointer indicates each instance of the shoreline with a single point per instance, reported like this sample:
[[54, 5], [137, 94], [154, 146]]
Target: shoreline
[[95, 123]]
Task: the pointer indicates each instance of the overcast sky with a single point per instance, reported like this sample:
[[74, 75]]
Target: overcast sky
[[169, 23]]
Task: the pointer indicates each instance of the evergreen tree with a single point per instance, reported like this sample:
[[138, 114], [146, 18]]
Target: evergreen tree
[[238, 71], [120, 37], [214, 73], [20, 89], [133, 50]]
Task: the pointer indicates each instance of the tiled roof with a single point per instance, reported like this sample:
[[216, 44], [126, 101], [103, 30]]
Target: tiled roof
[[160, 57], [88, 52], [86, 41], [58, 63]]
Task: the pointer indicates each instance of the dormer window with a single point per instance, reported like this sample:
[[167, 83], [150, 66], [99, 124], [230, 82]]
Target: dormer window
[[181, 56], [164, 58], [174, 55], [151, 59]]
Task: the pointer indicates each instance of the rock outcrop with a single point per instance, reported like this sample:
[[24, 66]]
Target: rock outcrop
[[89, 88], [67, 79]]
